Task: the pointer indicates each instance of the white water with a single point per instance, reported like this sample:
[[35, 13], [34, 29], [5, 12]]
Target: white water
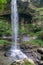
[[16, 53], [14, 20]]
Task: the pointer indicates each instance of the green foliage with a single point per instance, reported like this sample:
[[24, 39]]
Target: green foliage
[[4, 42], [31, 30], [2, 5], [39, 14], [3, 1], [39, 9], [37, 3], [25, 62], [36, 28], [36, 42], [4, 28], [40, 36], [26, 28]]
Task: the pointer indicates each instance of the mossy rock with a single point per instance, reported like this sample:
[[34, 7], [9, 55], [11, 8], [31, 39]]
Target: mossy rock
[[22, 62]]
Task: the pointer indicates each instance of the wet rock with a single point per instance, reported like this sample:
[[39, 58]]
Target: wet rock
[[1, 46], [40, 50], [41, 63], [25, 46], [22, 46], [7, 53], [41, 57], [6, 46], [35, 46], [1, 63]]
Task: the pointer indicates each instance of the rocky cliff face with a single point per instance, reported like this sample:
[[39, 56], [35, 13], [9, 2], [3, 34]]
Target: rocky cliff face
[[38, 3], [24, 6]]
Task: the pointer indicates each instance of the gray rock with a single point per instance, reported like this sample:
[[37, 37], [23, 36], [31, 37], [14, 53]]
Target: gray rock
[[40, 50]]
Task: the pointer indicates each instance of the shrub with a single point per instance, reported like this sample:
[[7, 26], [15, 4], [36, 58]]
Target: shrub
[[4, 42], [36, 42], [4, 28], [40, 36], [2, 6], [35, 28]]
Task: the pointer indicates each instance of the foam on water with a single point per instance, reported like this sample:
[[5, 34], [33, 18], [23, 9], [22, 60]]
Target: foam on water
[[17, 54]]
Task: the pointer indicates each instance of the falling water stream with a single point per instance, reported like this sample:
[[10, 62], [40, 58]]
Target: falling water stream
[[16, 53], [14, 20]]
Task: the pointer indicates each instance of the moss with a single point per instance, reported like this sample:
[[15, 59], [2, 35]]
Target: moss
[[27, 63], [22, 63], [4, 28]]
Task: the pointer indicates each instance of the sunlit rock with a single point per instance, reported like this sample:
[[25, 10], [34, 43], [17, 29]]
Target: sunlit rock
[[23, 62]]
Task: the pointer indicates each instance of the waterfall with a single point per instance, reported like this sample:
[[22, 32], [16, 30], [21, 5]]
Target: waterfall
[[14, 21], [16, 53]]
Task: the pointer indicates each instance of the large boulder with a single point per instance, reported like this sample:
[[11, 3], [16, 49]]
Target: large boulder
[[40, 50]]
